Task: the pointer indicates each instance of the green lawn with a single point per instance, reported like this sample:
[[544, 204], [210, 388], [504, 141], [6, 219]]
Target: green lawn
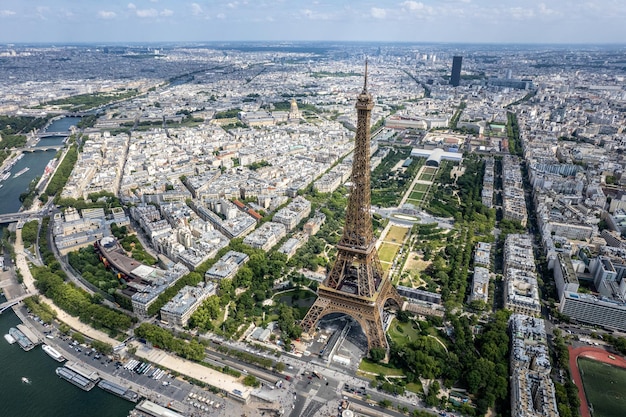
[[387, 252], [604, 387], [415, 387], [402, 333], [421, 187], [377, 369], [426, 177], [417, 195], [396, 234]]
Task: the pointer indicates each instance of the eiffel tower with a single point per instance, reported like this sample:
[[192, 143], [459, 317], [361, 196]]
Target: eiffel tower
[[356, 284]]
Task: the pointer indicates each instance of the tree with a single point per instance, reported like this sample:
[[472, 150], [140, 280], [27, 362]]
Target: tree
[[280, 367], [377, 354], [384, 403], [78, 337], [251, 381], [403, 316], [29, 233]]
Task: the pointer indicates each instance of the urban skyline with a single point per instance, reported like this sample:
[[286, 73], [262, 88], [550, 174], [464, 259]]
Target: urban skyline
[[469, 21]]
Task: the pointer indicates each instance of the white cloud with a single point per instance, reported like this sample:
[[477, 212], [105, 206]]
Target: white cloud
[[221, 16], [233, 5], [520, 13], [42, 12], [131, 6], [196, 9], [166, 12], [546, 11], [314, 15], [378, 13], [105, 14], [413, 5], [7, 13], [147, 13]]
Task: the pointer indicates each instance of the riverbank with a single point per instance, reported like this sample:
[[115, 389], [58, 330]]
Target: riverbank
[[156, 356]]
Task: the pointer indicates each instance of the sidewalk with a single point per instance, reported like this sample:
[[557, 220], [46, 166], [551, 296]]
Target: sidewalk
[[29, 282]]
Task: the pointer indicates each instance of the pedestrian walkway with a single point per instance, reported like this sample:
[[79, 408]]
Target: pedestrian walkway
[[62, 316]]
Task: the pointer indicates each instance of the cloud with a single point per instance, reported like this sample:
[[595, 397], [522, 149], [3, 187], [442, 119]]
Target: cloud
[[378, 13], [146, 13], [519, 13], [105, 14], [546, 11], [313, 15], [42, 11], [221, 16], [131, 6], [196, 9], [7, 13], [166, 12], [233, 5], [413, 5]]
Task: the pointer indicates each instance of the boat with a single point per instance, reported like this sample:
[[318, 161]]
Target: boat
[[118, 390], [75, 378], [5, 176], [9, 339], [53, 353], [20, 172], [25, 380], [20, 157], [21, 339]]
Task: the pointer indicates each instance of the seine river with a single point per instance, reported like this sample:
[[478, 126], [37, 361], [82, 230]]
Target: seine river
[[47, 395], [36, 162]]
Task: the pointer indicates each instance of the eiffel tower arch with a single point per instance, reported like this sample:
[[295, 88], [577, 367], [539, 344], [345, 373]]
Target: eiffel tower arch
[[356, 284]]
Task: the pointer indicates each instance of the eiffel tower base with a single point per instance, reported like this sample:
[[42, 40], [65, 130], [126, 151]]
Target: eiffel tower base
[[367, 313]]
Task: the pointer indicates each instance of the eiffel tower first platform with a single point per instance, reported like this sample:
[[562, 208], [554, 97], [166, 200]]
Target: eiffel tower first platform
[[356, 284]]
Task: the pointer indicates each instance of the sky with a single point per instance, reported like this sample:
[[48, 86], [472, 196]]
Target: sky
[[455, 21]]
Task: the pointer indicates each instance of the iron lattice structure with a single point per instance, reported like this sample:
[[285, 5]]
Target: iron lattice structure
[[356, 284]]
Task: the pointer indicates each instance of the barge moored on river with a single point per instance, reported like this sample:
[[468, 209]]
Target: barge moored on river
[[75, 378], [118, 390]]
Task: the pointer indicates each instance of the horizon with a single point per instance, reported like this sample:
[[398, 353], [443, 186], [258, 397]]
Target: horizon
[[285, 42], [533, 22]]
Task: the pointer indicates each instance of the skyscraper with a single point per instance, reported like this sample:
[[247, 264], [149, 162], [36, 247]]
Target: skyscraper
[[455, 77]]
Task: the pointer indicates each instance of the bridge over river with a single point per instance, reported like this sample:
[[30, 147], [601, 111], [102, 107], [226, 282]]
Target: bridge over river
[[16, 217], [10, 303]]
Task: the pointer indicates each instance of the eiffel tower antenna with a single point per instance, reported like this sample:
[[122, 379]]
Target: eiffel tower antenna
[[356, 284], [365, 79]]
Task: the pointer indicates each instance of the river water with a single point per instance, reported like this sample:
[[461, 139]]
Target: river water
[[36, 162], [47, 395]]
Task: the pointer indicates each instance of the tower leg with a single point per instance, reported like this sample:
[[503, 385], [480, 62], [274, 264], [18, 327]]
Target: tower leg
[[313, 315]]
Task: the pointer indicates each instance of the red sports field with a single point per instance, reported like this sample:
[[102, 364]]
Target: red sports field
[[596, 354]]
